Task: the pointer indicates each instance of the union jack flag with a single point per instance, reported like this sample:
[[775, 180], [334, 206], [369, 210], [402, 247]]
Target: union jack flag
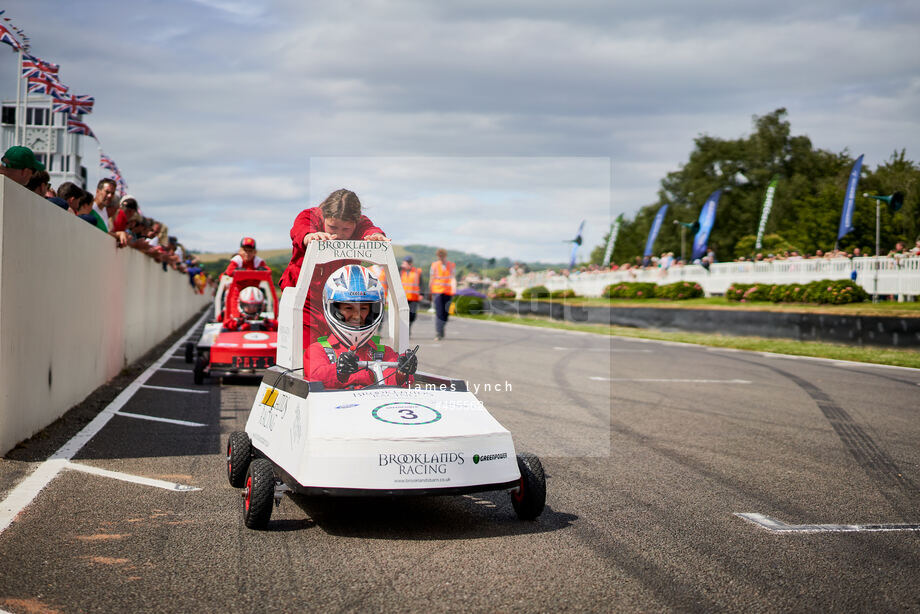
[[75, 126], [121, 187], [8, 38], [35, 67], [47, 85], [107, 162], [74, 105]]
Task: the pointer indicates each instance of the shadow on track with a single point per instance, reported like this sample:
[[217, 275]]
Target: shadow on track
[[481, 515]]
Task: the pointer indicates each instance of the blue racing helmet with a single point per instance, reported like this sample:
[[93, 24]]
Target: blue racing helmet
[[353, 284]]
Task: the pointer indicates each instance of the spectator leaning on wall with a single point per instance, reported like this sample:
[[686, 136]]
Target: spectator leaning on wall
[[105, 192], [72, 194], [19, 164]]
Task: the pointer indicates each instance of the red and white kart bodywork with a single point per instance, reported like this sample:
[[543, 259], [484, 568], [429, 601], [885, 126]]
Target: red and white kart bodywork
[[220, 351], [433, 438]]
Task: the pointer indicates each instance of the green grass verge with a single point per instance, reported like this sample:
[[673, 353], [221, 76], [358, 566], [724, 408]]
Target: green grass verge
[[885, 308], [881, 356]]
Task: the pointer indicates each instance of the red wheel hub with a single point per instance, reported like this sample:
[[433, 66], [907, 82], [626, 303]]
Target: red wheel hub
[[519, 493]]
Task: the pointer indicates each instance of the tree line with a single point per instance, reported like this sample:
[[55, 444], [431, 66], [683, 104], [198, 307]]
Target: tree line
[[806, 206]]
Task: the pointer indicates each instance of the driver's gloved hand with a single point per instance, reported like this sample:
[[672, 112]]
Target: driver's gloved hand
[[346, 364], [407, 363]]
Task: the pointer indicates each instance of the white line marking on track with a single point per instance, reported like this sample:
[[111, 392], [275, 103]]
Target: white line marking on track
[[175, 370], [127, 477], [778, 526], [623, 351], [174, 389], [158, 419], [23, 494], [664, 380]]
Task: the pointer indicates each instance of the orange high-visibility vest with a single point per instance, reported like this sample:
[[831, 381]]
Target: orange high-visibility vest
[[442, 278], [411, 280]]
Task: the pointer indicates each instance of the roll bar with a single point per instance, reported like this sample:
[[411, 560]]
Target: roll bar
[[293, 298]]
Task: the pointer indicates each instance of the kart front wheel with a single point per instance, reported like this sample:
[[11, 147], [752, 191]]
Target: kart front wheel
[[198, 371], [239, 455], [258, 494], [189, 352], [529, 498]]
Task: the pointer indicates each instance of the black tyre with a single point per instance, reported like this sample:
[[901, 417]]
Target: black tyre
[[239, 455], [198, 371], [529, 498], [258, 494], [189, 352]]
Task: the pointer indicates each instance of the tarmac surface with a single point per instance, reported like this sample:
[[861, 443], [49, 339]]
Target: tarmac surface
[[650, 450]]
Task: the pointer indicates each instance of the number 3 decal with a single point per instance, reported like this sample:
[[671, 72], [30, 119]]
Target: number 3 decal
[[408, 414]]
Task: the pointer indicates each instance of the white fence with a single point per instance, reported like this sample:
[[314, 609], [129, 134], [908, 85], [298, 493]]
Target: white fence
[[74, 310], [898, 277]]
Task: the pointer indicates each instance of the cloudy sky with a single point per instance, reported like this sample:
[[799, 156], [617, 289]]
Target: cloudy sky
[[492, 127]]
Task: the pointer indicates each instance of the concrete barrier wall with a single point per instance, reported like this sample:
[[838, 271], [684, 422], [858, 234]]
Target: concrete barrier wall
[[74, 310]]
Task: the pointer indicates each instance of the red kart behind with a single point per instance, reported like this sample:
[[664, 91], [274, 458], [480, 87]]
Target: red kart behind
[[250, 348]]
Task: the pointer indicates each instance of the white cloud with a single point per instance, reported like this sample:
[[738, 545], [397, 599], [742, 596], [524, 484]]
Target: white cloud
[[450, 119]]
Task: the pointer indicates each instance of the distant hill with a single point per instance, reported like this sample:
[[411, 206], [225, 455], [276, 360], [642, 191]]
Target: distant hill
[[422, 255], [266, 254]]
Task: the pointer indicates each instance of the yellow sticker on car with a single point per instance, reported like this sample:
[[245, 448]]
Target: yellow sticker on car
[[270, 395]]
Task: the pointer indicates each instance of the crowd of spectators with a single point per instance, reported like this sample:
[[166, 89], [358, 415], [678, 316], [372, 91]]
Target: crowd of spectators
[[119, 217]]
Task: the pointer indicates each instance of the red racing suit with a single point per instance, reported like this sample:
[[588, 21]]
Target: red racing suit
[[307, 222], [322, 369], [237, 262]]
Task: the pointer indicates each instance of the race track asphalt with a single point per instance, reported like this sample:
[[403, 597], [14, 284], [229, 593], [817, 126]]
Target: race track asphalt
[[650, 448]]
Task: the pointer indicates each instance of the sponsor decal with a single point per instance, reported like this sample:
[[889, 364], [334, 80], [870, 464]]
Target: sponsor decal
[[269, 397], [421, 463], [252, 362], [271, 414], [255, 336], [346, 405], [354, 249], [296, 428], [393, 393], [403, 412], [488, 457]]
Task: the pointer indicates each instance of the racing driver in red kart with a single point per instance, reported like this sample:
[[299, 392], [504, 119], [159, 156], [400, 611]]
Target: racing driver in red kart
[[252, 304], [353, 309]]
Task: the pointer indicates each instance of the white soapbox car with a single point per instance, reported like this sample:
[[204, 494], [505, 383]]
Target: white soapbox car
[[434, 438]]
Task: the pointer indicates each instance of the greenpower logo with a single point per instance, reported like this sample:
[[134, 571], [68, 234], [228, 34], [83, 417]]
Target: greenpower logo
[[488, 457]]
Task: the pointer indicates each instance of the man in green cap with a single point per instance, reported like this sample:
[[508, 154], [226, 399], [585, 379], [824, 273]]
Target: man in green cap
[[19, 163]]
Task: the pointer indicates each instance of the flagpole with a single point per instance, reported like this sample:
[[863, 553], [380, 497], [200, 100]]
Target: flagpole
[[16, 140], [25, 114], [50, 121]]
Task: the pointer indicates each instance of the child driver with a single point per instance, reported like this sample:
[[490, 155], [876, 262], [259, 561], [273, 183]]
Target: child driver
[[353, 309]]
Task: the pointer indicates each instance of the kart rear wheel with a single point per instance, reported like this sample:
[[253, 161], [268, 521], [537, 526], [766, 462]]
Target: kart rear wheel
[[258, 494], [189, 352], [529, 498], [198, 371], [239, 455]]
